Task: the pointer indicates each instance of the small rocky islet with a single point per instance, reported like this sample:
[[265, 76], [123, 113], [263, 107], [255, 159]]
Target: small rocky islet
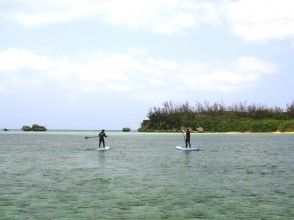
[[34, 127]]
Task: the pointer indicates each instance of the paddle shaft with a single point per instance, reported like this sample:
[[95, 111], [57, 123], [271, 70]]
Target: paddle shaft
[[91, 137]]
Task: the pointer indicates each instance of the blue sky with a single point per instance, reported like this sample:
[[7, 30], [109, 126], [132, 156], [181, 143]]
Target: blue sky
[[92, 64]]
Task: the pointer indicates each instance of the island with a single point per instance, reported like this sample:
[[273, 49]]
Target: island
[[35, 127], [126, 129], [218, 117]]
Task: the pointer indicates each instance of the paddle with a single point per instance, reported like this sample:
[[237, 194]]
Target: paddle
[[90, 137], [184, 134]]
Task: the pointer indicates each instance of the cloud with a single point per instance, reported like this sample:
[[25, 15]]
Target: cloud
[[36, 13], [261, 20], [99, 72], [252, 20], [158, 16]]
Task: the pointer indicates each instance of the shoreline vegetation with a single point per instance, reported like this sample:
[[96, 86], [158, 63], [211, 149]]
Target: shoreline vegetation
[[219, 118]]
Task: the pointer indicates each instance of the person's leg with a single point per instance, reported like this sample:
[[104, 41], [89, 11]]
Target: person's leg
[[189, 143], [103, 143], [99, 142], [186, 142]]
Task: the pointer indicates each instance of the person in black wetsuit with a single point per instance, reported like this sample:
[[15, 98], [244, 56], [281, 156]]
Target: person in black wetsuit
[[187, 137], [101, 138]]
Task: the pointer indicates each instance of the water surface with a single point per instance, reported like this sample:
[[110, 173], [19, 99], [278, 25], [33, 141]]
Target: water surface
[[60, 175]]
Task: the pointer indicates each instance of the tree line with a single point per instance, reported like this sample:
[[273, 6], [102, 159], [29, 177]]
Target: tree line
[[218, 117]]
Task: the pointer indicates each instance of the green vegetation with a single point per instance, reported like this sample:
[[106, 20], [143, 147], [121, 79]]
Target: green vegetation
[[126, 129], [34, 127], [26, 128], [220, 118]]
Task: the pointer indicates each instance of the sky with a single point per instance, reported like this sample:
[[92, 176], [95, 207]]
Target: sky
[[93, 64]]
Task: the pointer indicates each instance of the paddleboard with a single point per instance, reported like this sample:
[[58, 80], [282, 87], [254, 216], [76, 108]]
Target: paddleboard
[[103, 148], [187, 149]]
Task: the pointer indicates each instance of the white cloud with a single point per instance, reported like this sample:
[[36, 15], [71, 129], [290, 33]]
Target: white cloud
[[251, 20], [158, 16], [261, 20], [126, 73], [237, 74], [35, 13]]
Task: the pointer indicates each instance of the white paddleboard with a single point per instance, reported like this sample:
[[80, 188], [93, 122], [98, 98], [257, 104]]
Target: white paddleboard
[[187, 149], [103, 148]]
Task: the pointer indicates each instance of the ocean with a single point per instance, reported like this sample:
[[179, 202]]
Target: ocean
[[62, 175]]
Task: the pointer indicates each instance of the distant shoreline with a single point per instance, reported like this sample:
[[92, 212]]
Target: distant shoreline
[[230, 132], [218, 117], [11, 131]]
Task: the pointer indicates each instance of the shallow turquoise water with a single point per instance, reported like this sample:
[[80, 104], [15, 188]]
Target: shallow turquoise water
[[60, 175]]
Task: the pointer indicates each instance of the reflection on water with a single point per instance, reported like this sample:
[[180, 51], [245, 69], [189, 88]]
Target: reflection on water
[[101, 157], [61, 175]]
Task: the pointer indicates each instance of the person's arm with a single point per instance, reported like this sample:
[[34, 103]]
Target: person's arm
[[184, 133]]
